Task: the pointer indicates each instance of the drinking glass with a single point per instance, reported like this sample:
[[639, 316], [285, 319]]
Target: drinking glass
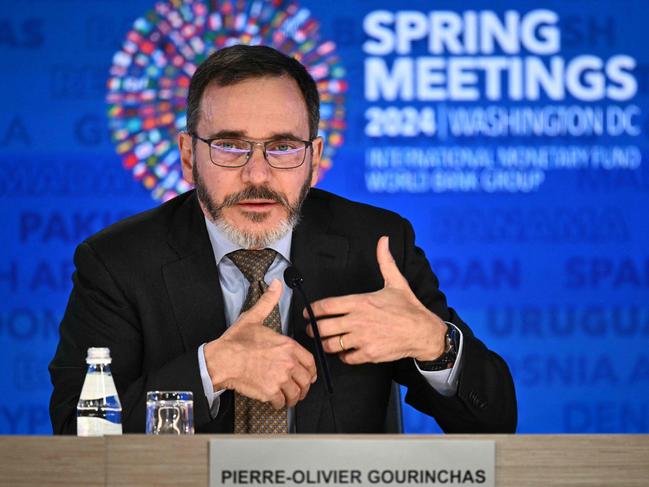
[[169, 413]]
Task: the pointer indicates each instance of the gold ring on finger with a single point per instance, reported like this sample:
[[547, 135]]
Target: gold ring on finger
[[342, 345]]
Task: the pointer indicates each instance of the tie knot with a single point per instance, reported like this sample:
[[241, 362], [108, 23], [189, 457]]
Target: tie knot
[[253, 264]]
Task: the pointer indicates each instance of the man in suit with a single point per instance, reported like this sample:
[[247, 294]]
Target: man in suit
[[188, 296]]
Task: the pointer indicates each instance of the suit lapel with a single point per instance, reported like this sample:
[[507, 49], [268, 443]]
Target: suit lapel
[[321, 258], [192, 281]]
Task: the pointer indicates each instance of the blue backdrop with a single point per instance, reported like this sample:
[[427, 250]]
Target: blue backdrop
[[513, 136]]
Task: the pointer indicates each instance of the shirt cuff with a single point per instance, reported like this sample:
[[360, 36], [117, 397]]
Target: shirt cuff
[[212, 397], [445, 381]]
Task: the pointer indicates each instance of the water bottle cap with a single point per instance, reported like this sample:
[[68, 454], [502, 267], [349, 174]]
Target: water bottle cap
[[98, 355]]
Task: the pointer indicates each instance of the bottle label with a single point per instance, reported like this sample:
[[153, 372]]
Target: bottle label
[[97, 386], [89, 426]]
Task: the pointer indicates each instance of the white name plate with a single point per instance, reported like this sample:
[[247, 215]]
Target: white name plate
[[349, 462]]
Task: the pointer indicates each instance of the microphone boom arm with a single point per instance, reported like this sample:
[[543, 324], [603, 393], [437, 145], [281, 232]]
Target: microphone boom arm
[[294, 280]]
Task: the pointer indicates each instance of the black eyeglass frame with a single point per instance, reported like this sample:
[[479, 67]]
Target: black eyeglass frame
[[308, 144]]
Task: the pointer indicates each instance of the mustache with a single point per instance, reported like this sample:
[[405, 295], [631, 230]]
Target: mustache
[[254, 192]]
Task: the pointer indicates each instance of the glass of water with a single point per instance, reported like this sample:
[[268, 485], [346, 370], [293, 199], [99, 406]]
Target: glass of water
[[169, 413]]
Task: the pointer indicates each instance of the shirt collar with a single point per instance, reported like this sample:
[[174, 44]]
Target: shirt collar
[[222, 245]]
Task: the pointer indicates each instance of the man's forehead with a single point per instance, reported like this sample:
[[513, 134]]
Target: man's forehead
[[251, 104]]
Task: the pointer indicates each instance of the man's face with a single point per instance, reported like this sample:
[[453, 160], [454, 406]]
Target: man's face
[[255, 204]]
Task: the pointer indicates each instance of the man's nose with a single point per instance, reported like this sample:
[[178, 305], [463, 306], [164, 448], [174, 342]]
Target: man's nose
[[257, 170]]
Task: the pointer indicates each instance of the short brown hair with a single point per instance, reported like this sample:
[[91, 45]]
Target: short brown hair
[[231, 65]]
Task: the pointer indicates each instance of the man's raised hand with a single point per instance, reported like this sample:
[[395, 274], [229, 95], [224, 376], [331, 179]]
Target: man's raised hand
[[386, 325], [258, 362]]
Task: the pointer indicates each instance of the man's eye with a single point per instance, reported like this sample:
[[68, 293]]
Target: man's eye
[[228, 145], [282, 146]]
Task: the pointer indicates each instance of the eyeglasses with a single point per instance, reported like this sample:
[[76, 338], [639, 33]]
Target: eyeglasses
[[280, 154]]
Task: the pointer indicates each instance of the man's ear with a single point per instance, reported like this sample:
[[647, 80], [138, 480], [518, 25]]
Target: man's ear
[[186, 156], [317, 148]]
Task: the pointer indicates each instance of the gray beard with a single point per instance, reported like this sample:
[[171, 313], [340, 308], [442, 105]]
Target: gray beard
[[247, 239]]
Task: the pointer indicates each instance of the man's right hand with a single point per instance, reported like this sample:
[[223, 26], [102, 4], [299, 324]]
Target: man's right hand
[[258, 362]]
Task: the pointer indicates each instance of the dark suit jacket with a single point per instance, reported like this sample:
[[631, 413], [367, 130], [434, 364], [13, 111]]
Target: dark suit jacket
[[148, 288]]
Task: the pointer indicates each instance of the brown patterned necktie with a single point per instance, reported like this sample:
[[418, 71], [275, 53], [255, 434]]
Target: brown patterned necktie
[[250, 415]]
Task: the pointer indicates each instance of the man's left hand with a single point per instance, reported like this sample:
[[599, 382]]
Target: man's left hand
[[383, 326]]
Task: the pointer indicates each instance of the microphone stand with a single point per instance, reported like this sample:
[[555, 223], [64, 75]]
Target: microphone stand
[[294, 280]]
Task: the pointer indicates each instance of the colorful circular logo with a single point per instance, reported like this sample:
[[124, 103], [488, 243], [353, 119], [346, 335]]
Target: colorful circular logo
[[149, 77]]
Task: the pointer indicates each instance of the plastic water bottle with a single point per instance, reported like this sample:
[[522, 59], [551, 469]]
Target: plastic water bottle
[[99, 411]]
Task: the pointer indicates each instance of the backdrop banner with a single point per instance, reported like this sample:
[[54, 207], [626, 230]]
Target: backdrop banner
[[513, 135]]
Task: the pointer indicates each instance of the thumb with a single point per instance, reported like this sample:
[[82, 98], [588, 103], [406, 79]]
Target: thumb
[[263, 307], [389, 270]]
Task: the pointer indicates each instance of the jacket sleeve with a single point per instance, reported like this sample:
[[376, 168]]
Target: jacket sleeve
[[485, 401], [98, 314]]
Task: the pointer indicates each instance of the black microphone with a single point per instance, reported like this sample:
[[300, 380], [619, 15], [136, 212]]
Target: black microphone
[[294, 280]]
